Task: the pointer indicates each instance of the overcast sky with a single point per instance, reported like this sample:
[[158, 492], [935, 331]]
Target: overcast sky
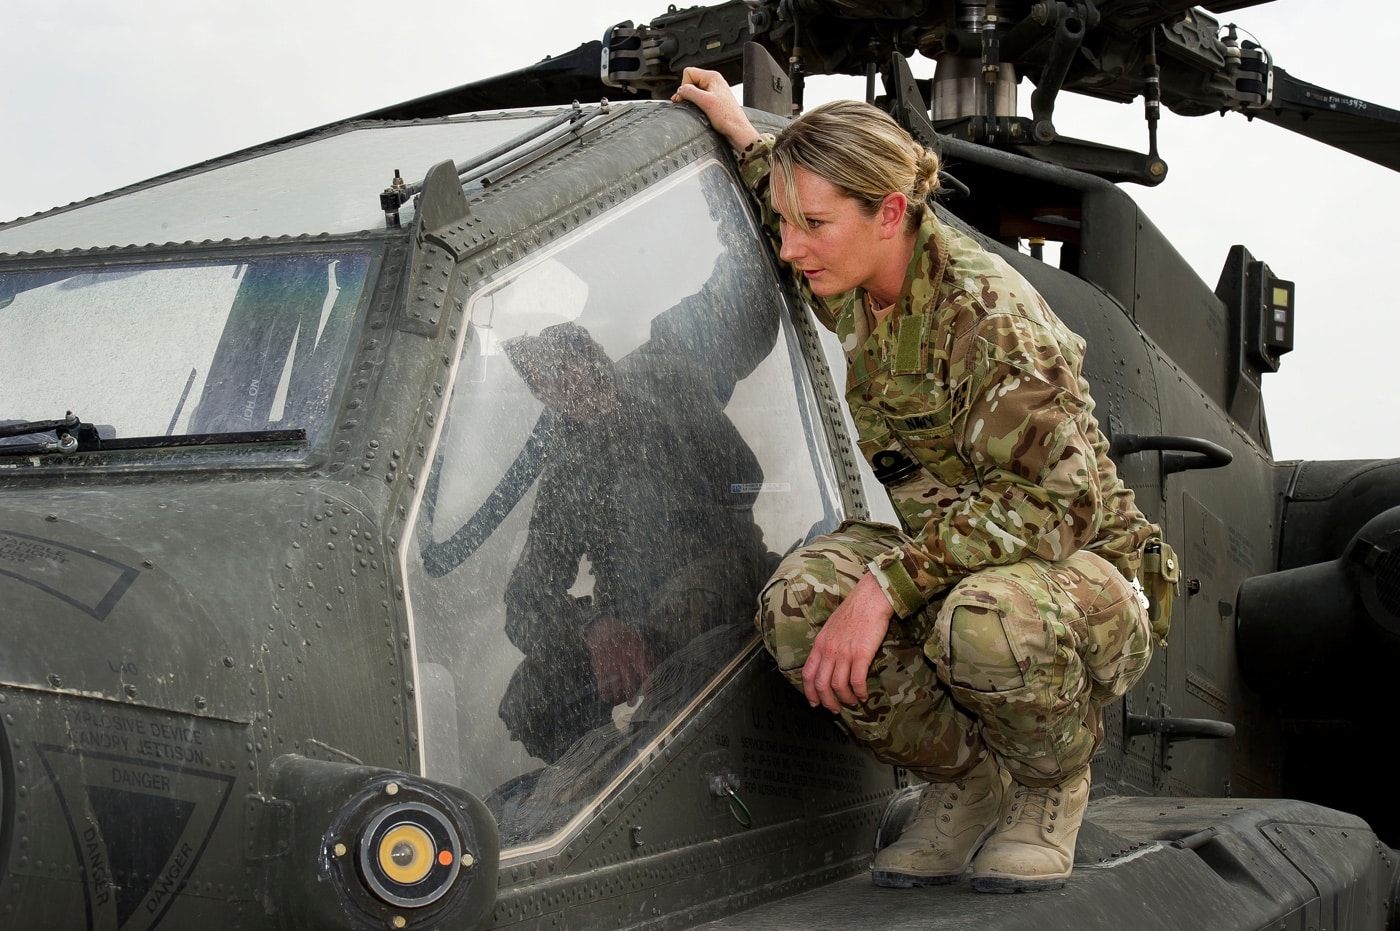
[[97, 95]]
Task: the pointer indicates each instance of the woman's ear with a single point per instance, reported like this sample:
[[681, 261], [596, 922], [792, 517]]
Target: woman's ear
[[892, 211]]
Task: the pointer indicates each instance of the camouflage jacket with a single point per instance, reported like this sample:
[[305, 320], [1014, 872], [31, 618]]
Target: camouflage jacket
[[970, 407]]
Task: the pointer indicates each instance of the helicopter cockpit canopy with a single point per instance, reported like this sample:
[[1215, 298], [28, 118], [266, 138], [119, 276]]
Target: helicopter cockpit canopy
[[632, 515]]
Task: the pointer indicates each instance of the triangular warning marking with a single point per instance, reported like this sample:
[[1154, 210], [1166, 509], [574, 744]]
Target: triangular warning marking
[[139, 829]]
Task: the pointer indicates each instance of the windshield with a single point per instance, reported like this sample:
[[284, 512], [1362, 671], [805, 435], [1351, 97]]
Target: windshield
[[626, 453], [324, 185], [170, 349]]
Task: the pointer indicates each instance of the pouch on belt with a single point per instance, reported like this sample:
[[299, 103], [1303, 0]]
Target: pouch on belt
[[1160, 577]]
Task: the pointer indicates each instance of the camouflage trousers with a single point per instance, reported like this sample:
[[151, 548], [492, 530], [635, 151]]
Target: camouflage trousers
[[1015, 659]]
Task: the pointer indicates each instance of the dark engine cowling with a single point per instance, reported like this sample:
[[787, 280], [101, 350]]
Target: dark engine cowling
[[1312, 623], [1320, 637]]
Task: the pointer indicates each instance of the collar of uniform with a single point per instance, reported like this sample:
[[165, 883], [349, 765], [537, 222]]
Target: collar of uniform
[[905, 350], [928, 262]]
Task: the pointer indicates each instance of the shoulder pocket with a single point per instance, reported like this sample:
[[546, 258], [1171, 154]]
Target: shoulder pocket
[[911, 346]]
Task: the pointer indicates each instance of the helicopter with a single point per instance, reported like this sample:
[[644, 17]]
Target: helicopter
[[301, 579]]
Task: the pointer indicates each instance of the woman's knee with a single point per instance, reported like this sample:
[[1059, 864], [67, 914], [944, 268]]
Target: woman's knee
[[1009, 654], [808, 586]]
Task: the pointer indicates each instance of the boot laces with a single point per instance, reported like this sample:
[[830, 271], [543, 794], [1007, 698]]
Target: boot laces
[[938, 795], [1035, 805]]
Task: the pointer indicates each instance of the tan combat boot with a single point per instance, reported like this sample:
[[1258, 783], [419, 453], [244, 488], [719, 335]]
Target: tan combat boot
[[1033, 847], [953, 820]]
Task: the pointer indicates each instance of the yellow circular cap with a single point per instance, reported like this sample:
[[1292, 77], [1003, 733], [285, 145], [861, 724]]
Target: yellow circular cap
[[406, 854]]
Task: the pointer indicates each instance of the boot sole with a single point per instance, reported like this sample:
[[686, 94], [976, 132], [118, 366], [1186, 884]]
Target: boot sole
[[1004, 886], [892, 880]]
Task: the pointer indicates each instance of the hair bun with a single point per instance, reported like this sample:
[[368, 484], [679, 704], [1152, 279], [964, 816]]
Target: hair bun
[[926, 172]]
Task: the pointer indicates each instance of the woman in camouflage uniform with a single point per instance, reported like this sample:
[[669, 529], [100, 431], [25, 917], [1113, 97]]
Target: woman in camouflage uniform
[[976, 644]]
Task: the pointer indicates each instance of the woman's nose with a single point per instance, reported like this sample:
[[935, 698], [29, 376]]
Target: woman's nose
[[791, 245]]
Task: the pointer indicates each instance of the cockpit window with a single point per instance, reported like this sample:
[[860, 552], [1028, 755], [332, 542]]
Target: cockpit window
[[330, 184], [245, 348], [622, 464]]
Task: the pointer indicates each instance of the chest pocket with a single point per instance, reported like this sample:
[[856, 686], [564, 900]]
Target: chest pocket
[[931, 437]]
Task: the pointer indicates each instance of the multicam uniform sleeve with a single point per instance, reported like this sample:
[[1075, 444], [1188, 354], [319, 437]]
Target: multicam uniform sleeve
[[1122, 528], [1019, 425]]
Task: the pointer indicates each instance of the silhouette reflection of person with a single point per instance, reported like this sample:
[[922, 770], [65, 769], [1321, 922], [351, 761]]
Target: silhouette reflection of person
[[648, 487]]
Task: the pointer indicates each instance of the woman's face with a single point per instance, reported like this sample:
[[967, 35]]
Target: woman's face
[[844, 249]]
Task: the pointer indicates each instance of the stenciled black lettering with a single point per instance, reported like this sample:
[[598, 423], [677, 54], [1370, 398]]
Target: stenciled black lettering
[[172, 752], [170, 879], [100, 877], [140, 779]]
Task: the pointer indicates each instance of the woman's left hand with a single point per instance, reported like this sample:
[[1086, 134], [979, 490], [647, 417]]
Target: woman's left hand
[[836, 669]]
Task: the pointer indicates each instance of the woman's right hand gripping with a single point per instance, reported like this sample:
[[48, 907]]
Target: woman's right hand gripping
[[709, 91]]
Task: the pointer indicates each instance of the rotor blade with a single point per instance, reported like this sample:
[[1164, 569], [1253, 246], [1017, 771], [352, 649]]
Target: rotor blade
[[559, 79], [1229, 6], [1348, 123]]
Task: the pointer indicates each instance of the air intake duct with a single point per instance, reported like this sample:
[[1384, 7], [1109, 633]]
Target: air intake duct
[[1305, 627]]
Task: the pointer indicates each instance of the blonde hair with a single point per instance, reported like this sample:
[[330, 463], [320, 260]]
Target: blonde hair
[[863, 152]]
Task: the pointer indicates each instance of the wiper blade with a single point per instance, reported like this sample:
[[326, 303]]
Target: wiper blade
[[297, 435], [71, 433], [75, 437]]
